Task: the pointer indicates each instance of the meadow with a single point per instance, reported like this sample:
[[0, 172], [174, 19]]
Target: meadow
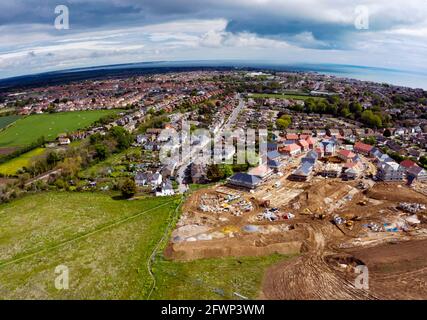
[[207, 279], [11, 167], [7, 120], [27, 130], [106, 245]]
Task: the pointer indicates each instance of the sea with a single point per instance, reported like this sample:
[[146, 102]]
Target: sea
[[406, 78]]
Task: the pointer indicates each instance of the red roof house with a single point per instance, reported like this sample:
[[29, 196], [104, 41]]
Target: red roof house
[[363, 148], [407, 164]]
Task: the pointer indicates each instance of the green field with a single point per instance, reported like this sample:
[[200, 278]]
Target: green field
[[27, 130], [12, 166], [106, 245], [7, 120], [209, 279], [284, 96]]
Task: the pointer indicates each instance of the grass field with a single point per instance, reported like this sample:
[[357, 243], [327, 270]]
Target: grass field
[[11, 167], [27, 130], [105, 243], [284, 96], [7, 120], [211, 278]]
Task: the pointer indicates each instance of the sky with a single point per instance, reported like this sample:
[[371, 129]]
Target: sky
[[379, 33]]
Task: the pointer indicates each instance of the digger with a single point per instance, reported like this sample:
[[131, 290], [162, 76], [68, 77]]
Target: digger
[[349, 224]]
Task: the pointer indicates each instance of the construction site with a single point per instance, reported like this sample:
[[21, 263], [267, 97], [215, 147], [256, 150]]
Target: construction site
[[331, 226]]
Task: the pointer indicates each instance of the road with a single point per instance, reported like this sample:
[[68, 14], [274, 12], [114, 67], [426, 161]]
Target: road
[[187, 160]]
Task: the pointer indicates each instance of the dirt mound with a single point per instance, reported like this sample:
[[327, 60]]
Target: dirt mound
[[248, 245], [395, 192], [396, 271]]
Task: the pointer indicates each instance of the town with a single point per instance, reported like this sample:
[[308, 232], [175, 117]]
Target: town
[[341, 170]]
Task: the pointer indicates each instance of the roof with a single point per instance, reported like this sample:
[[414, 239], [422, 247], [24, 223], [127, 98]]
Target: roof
[[328, 144], [273, 154], [271, 145], [310, 140], [273, 163], [303, 143], [245, 179], [259, 171], [291, 136], [407, 163], [310, 157], [376, 152], [363, 147], [389, 166], [416, 171], [346, 153], [291, 147], [304, 169]]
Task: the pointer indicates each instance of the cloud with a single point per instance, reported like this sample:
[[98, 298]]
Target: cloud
[[115, 31]]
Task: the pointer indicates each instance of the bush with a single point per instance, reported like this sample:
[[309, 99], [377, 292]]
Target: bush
[[128, 188]]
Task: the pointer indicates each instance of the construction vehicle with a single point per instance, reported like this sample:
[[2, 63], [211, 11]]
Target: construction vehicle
[[320, 216], [307, 211], [362, 203], [349, 224]]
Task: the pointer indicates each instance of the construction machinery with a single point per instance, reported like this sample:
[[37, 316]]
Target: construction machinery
[[349, 224], [320, 216]]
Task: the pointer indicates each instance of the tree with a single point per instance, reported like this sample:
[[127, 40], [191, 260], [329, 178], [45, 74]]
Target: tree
[[53, 158], [284, 122], [128, 188], [217, 172], [101, 152], [387, 133], [371, 119], [122, 137]]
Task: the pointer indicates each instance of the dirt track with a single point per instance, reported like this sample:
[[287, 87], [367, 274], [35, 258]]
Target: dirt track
[[309, 276]]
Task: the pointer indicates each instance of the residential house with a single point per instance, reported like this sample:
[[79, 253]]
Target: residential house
[[311, 157], [303, 172], [291, 149], [244, 180], [320, 152], [390, 171], [407, 164], [274, 164], [292, 137], [363, 148], [148, 179], [63, 141], [303, 144], [310, 142], [271, 146], [166, 189], [331, 170], [346, 155], [416, 172], [274, 155], [198, 172], [262, 171], [328, 147]]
